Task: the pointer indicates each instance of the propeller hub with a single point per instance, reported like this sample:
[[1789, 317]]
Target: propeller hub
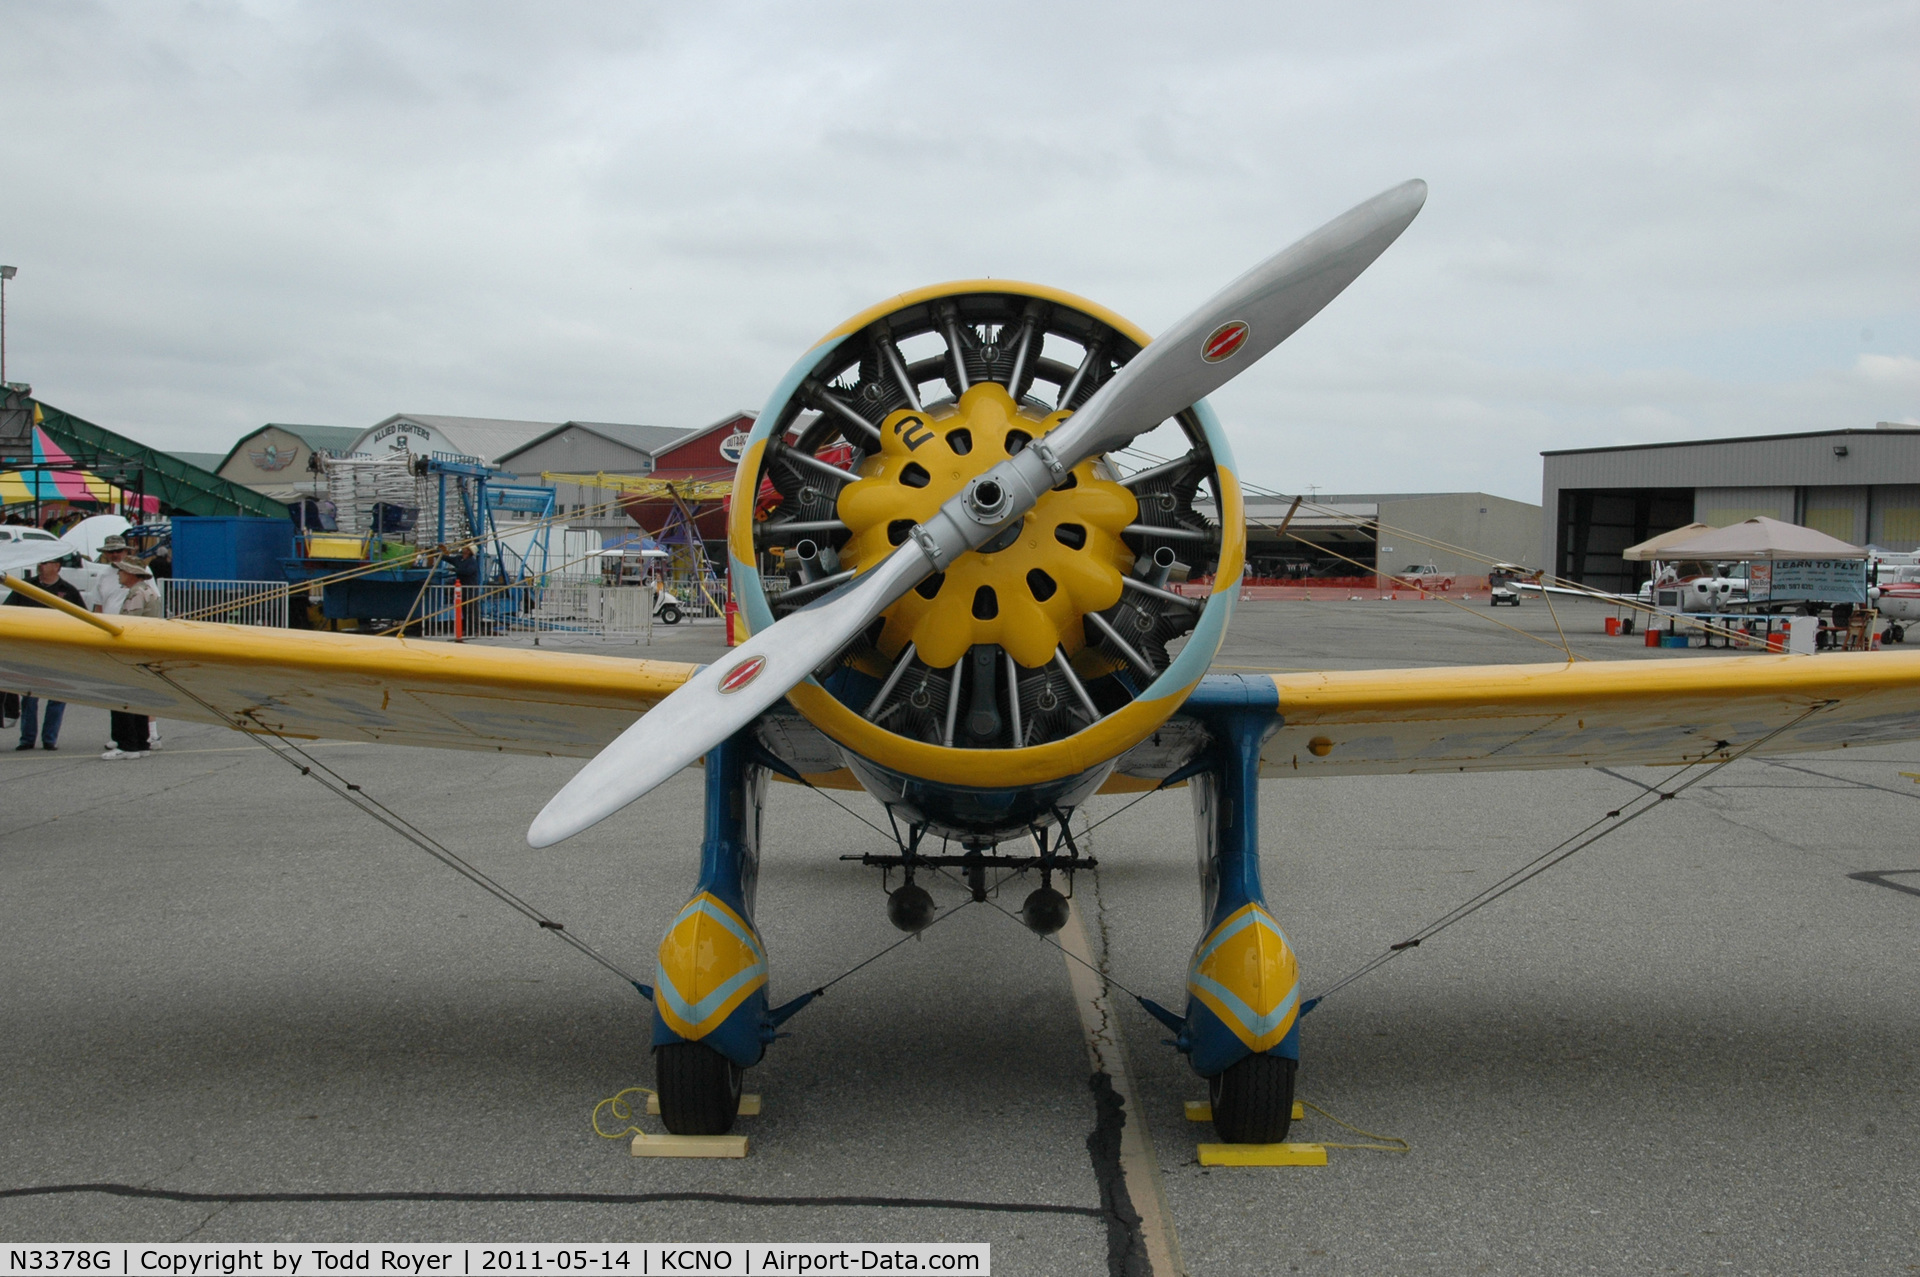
[[987, 501], [1026, 589]]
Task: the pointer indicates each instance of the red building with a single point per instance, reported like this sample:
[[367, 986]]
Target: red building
[[709, 453]]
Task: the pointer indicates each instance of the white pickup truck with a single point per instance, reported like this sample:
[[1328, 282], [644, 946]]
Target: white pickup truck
[[1424, 575], [79, 571]]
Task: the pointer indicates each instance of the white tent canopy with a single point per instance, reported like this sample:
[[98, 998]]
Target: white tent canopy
[[88, 535], [1758, 540], [1651, 547]]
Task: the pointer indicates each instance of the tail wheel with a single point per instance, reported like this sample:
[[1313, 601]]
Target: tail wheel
[[1253, 1099], [699, 1088]]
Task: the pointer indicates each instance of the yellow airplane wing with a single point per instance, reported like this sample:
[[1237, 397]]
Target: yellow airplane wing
[[1349, 722], [338, 686], [1589, 713]]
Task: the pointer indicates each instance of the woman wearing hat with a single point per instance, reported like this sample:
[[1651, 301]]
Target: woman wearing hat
[[139, 599]]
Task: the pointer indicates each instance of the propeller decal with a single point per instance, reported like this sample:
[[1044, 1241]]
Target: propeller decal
[[1223, 341], [743, 673]]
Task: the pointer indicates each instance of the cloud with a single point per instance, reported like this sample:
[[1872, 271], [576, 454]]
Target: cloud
[[1646, 221]]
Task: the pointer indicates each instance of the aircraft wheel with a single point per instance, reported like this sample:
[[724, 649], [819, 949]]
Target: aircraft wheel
[[1253, 1099], [699, 1088], [1897, 633], [670, 615]]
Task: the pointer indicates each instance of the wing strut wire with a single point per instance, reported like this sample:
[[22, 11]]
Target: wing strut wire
[[1628, 812], [339, 786]]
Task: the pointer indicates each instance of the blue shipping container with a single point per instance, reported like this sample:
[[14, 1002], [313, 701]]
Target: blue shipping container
[[234, 548]]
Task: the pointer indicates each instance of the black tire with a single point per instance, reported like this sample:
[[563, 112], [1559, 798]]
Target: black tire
[[670, 615], [1253, 1099], [699, 1088], [1897, 633]]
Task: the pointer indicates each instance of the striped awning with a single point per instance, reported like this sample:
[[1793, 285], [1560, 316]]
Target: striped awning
[[61, 483]]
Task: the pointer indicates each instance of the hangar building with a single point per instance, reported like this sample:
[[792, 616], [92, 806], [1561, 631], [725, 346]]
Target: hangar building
[[275, 458], [1862, 486], [707, 452], [1352, 534]]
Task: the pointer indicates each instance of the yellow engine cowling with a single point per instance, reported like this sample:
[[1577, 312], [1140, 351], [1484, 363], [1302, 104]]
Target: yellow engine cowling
[[1010, 622], [1029, 594]]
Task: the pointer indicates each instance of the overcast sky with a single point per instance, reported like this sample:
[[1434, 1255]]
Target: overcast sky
[[1646, 222]]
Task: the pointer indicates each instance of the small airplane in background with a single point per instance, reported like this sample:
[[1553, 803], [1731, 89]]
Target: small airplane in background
[[1712, 590], [1896, 595]]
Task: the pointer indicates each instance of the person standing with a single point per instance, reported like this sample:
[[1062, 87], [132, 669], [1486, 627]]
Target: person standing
[[30, 724], [138, 598], [108, 591], [466, 573], [105, 592]]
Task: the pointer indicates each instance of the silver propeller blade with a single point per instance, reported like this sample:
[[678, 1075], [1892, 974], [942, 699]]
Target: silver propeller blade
[[720, 700], [1196, 356], [1241, 323]]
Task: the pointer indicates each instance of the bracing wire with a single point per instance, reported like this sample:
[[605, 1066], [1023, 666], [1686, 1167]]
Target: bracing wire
[[1612, 822], [1046, 940], [307, 765]]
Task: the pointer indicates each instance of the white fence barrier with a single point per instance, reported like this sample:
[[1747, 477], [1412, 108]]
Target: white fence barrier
[[229, 602], [562, 606]]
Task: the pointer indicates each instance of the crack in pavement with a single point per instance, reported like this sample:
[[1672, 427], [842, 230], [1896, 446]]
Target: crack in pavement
[[117, 800], [1141, 1240], [221, 1209]]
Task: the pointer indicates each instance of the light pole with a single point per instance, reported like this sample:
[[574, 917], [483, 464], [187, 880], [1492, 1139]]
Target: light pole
[[6, 273]]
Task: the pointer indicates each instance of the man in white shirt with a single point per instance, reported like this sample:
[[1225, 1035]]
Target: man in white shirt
[[109, 592]]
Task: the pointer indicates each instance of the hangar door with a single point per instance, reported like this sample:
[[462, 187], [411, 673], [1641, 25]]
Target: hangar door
[[1596, 524]]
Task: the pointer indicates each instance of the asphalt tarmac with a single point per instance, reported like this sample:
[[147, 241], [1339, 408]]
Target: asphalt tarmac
[[1692, 1048]]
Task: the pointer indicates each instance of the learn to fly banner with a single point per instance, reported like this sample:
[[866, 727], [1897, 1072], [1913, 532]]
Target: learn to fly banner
[[1808, 581]]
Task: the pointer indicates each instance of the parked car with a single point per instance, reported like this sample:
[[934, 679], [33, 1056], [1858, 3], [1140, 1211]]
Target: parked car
[[1424, 575], [82, 573]]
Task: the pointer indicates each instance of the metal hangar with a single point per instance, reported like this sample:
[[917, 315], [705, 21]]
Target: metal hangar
[[1862, 486]]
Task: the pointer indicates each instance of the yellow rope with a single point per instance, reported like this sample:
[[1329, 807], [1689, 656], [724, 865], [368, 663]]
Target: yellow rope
[[380, 565], [1453, 603], [623, 1112], [480, 595], [1391, 1144], [646, 486], [1556, 625], [1546, 578]]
